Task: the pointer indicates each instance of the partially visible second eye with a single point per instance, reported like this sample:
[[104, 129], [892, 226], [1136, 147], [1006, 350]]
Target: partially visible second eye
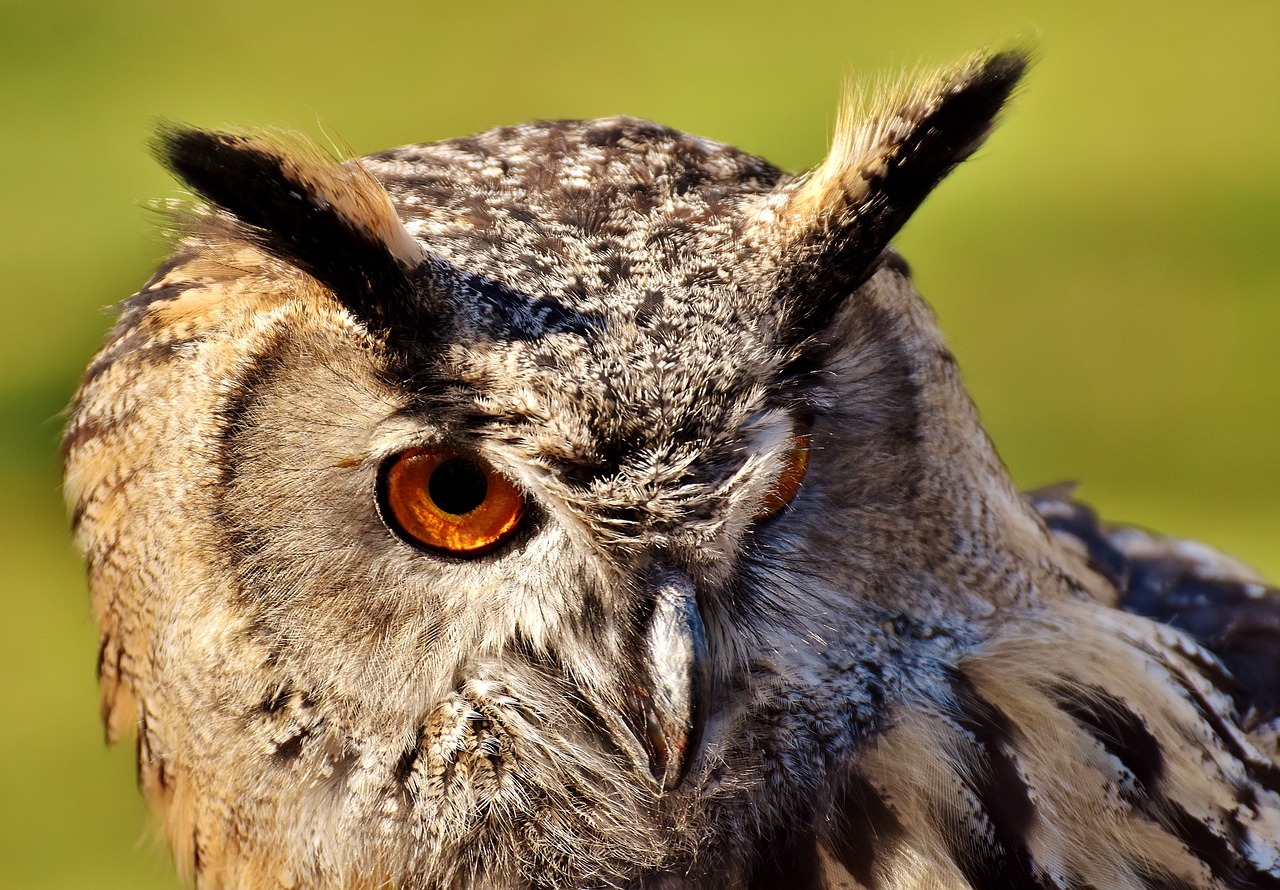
[[449, 501], [795, 465]]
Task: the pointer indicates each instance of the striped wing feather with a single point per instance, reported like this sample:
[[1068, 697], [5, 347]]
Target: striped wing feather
[[1085, 746]]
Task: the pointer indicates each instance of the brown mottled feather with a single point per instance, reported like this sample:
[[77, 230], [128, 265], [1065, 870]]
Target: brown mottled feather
[[908, 676]]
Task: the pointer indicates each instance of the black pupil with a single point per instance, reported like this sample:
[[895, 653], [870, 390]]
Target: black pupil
[[458, 486]]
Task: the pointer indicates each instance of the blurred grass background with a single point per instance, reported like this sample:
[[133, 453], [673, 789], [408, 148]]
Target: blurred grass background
[[1106, 269]]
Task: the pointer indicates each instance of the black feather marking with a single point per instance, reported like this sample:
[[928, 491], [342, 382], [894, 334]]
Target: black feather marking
[[1122, 732], [236, 417], [197, 855], [104, 640], [790, 865], [1224, 857], [408, 761], [1126, 736], [1003, 796], [141, 750], [289, 220], [516, 316], [1260, 771], [291, 748], [276, 700], [866, 830]]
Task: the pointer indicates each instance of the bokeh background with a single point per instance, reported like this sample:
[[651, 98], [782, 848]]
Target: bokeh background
[[1107, 268]]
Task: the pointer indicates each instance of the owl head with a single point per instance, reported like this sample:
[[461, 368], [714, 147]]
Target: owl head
[[549, 507]]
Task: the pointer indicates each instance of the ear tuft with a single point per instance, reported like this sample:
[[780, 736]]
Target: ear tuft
[[895, 147], [831, 226], [332, 219]]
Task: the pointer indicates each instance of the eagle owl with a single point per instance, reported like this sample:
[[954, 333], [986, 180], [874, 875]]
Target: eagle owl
[[585, 504]]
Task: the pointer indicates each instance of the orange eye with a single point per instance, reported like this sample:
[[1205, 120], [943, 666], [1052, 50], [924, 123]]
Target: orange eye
[[449, 501], [795, 464]]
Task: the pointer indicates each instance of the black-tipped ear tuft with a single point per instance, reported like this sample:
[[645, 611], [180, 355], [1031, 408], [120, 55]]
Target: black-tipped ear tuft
[[332, 220], [886, 157]]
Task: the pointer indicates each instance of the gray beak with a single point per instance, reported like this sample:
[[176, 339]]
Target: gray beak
[[672, 696]]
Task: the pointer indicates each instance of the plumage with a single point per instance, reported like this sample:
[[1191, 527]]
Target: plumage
[[586, 504]]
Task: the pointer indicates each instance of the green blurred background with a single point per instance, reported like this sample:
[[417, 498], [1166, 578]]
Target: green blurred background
[[1106, 268]]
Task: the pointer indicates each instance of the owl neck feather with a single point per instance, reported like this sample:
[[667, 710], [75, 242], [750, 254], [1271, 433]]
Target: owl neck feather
[[941, 504]]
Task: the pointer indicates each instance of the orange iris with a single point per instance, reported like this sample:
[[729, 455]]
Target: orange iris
[[447, 500], [795, 464]]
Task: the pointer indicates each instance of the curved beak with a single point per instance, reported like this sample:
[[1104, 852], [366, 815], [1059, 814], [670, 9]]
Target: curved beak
[[672, 694]]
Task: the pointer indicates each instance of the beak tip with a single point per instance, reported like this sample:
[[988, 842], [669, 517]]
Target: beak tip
[[675, 696]]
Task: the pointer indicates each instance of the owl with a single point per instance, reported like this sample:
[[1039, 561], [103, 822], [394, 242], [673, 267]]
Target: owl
[[585, 504]]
